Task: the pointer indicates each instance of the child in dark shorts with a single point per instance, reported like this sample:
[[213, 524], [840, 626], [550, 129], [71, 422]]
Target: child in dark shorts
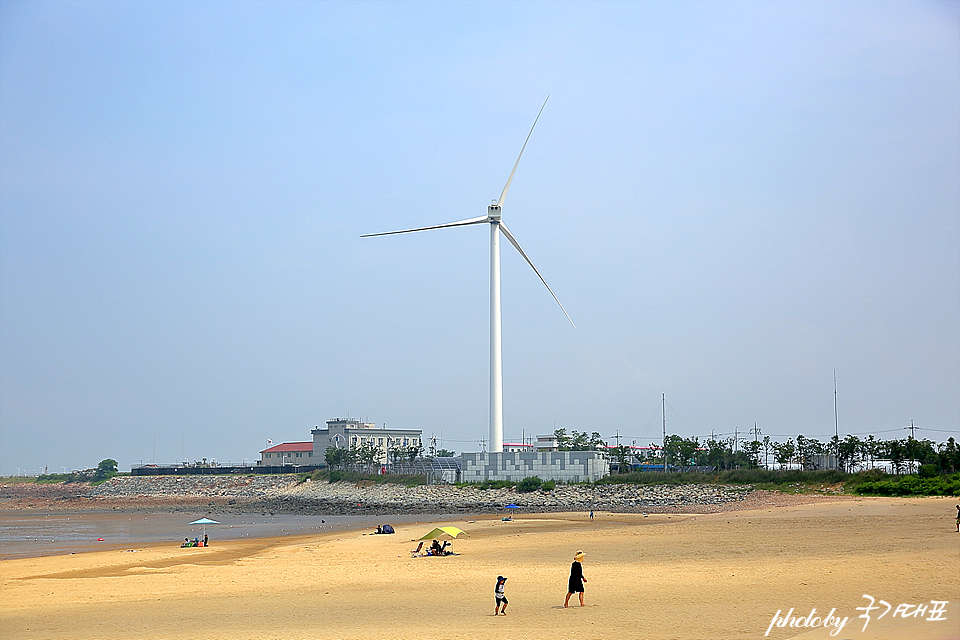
[[501, 599]]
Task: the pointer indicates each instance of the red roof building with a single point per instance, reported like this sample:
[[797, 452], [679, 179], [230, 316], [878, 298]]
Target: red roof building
[[289, 453]]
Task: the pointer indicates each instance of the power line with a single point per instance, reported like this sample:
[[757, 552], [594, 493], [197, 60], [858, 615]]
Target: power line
[[677, 413]]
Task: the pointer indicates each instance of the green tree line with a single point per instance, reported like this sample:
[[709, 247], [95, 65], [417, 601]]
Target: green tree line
[[925, 457]]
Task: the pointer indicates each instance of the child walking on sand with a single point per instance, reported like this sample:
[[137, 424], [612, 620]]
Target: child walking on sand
[[501, 599]]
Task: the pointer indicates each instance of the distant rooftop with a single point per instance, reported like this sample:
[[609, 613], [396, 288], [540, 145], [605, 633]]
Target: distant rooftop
[[289, 447]]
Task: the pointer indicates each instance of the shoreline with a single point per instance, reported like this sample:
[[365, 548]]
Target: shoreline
[[58, 519], [61, 533], [269, 495], [87, 524]]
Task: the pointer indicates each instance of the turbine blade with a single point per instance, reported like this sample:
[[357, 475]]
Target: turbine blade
[[506, 187], [459, 223], [513, 241]]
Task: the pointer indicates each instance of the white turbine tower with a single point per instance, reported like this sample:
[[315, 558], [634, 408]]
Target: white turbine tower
[[496, 228]]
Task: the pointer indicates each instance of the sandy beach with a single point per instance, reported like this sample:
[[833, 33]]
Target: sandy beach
[[664, 576]]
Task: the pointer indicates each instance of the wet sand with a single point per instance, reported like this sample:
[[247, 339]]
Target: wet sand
[[30, 533], [683, 576]]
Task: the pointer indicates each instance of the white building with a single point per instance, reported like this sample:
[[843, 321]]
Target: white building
[[347, 433], [544, 443], [547, 443]]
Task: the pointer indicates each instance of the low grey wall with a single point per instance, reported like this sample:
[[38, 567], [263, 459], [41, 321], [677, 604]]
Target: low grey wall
[[562, 466]]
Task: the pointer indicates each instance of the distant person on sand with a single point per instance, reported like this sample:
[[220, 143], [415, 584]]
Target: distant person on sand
[[958, 518], [205, 540], [501, 599], [576, 581], [591, 515]]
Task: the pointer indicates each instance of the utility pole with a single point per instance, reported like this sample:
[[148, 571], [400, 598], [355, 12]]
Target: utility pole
[[912, 428], [663, 412], [836, 414], [618, 436], [756, 438], [836, 421]]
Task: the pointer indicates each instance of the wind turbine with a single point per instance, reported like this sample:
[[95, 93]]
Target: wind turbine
[[496, 228]]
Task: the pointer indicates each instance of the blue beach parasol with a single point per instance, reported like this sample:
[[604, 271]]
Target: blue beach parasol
[[204, 522]]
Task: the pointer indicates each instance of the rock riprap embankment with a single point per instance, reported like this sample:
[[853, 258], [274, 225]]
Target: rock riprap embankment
[[245, 487], [284, 494]]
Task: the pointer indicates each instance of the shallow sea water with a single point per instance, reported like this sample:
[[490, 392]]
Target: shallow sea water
[[25, 534]]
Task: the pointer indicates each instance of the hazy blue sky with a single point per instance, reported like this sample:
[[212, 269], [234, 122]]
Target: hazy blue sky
[[731, 199]]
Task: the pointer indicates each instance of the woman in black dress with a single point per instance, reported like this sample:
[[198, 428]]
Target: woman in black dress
[[575, 584]]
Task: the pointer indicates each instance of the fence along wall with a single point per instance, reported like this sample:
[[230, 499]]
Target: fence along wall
[[223, 470], [562, 466]]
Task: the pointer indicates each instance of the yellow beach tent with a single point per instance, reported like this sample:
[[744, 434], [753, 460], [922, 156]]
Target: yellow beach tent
[[444, 533]]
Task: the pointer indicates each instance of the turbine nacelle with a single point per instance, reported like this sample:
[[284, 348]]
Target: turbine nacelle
[[493, 212]]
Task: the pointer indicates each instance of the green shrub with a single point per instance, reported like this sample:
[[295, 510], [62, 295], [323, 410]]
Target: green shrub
[[792, 480], [548, 485], [529, 484], [912, 485], [928, 471], [105, 470], [655, 477], [52, 478]]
